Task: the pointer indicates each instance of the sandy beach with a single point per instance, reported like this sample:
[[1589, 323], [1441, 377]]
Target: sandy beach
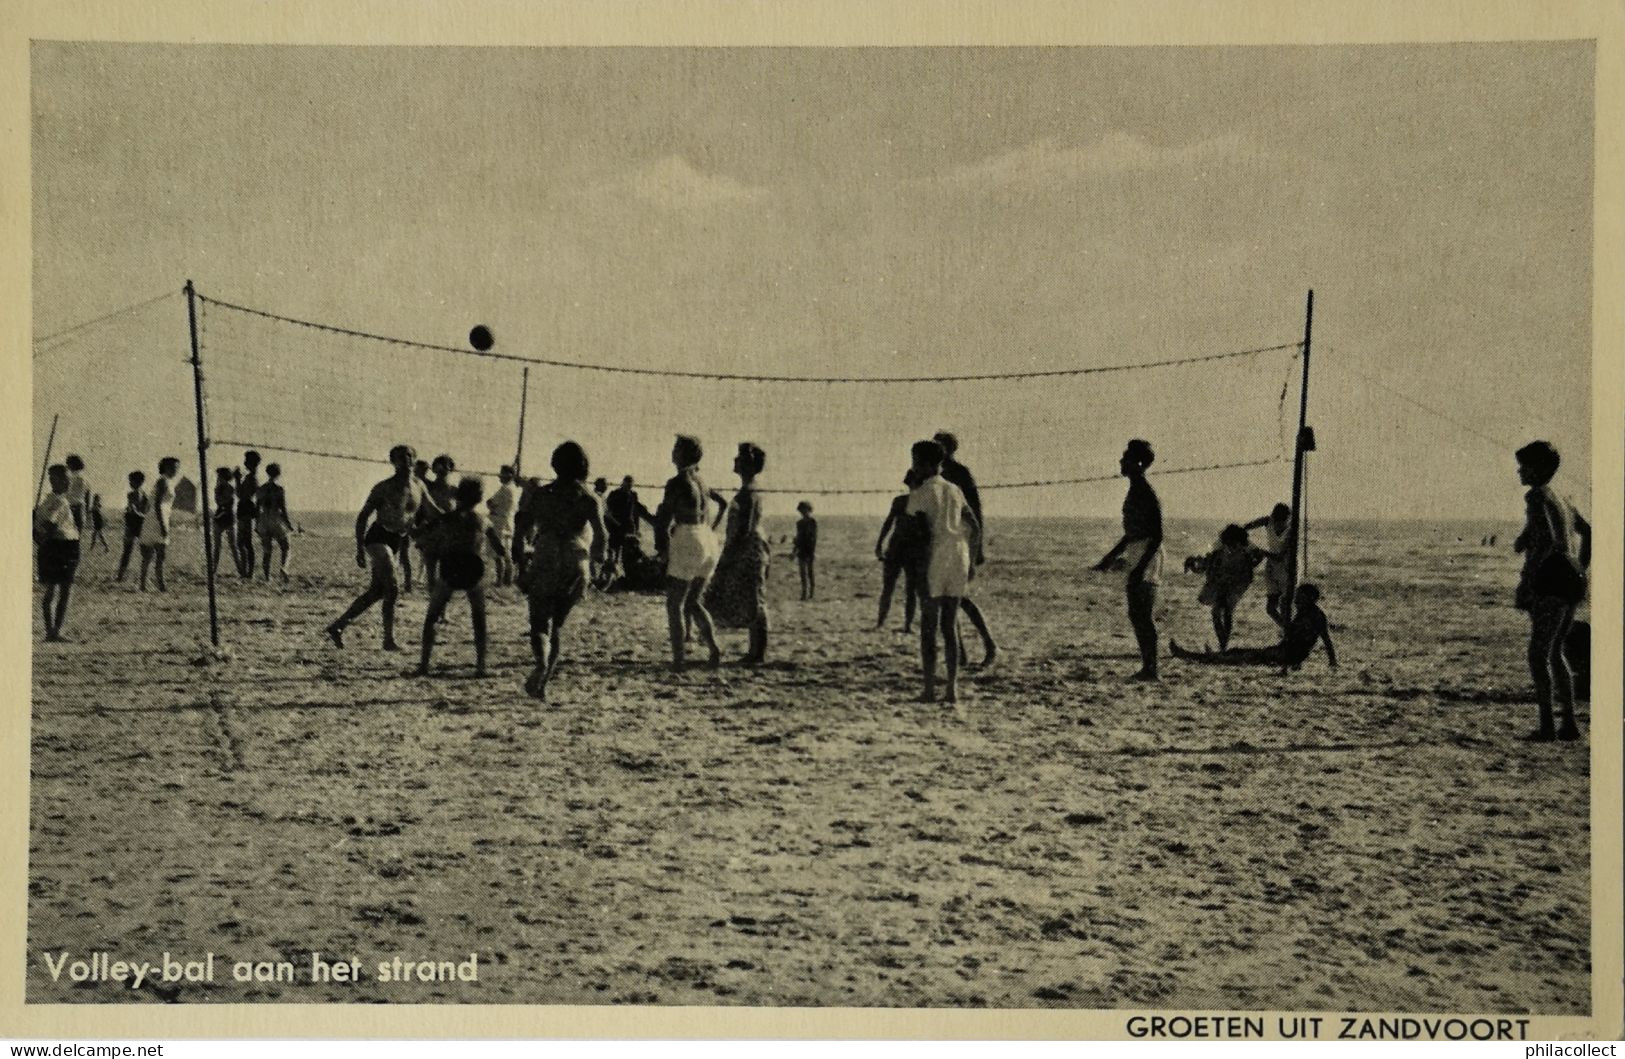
[[1372, 837]]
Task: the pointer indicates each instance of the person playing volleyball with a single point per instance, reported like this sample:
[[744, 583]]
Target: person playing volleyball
[[692, 549], [501, 505], [273, 523], [461, 569], [380, 533], [951, 528], [568, 533]]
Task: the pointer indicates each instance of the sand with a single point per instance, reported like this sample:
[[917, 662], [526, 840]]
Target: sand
[[1370, 837]]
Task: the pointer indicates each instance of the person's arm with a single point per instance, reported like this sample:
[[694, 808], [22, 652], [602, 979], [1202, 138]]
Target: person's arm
[[1111, 556], [163, 493], [639, 511], [885, 528], [975, 523], [1583, 528], [1326, 638], [361, 527], [1256, 523], [595, 519], [722, 507]]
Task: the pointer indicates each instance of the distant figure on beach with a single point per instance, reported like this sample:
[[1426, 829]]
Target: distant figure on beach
[[224, 519], [568, 532], [900, 549], [806, 550], [502, 505], [273, 522], [135, 513], [78, 491], [1556, 548], [691, 550], [462, 534], [98, 523], [623, 512], [155, 527], [381, 527], [1141, 551], [248, 486], [420, 471], [959, 475], [57, 537], [737, 595], [1307, 628], [523, 521], [947, 522], [1229, 569], [1278, 550]]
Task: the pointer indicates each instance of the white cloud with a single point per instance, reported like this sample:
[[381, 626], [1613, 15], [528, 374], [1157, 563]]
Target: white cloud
[[673, 183], [1048, 162]]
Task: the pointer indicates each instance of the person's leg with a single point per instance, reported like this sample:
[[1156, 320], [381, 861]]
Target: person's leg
[[1239, 656], [911, 595], [888, 585], [376, 589], [476, 612], [48, 606], [541, 615], [928, 648], [146, 563], [245, 540], [812, 577], [406, 566], [805, 572], [383, 568], [675, 591], [1562, 677], [160, 552], [555, 645], [1272, 607], [283, 547], [757, 652], [990, 650], [67, 586], [694, 607], [1545, 617], [1142, 602], [124, 556], [438, 597], [952, 646]]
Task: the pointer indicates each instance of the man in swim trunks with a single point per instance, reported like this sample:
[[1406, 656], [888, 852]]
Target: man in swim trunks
[[248, 484], [391, 508]]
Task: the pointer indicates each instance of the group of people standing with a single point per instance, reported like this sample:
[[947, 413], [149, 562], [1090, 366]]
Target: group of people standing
[[245, 507]]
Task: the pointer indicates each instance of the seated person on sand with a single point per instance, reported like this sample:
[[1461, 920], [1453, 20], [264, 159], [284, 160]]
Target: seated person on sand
[[1307, 628], [1229, 569]]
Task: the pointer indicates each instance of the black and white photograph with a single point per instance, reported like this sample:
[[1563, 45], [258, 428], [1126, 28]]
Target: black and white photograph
[[1082, 528]]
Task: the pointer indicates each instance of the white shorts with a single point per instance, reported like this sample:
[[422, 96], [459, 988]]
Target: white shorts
[[693, 552]]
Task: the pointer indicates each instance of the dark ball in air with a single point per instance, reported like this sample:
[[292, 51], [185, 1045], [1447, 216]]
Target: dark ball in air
[[480, 338]]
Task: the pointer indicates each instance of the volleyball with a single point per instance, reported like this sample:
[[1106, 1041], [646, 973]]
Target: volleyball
[[480, 338]]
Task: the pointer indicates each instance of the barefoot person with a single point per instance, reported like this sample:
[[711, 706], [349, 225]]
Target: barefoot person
[[898, 549], [737, 596], [380, 533], [1141, 551], [98, 524], [1556, 548], [57, 536], [567, 532], [442, 499], [1277, 550], [1307, 628], [135, 513], [155, 527], [1229, 569], [248, 487], [950, 526], [78, 491], [806, 549], [623, 512], [501, 506], [225, 516], [691, 548], [273, 522], [958, 474], [462, 534]]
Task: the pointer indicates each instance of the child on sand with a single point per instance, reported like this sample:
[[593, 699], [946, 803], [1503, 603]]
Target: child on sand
[[225, 514], [806, 549], [155, 528], [135, 513], [57, 535], [1307, 628], [274, 523], [568, 534], [950, 527], [901, 554], [461, 569], [1229, 574], [98, 523]]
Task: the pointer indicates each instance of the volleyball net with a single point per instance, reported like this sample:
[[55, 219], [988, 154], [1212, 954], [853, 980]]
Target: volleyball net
[[318, 389]]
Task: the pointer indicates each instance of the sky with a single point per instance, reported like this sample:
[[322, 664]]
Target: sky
[[851, 212]]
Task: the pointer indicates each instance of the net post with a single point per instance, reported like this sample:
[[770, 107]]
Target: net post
[[1299, 450], [519, 447], [203, 464], [39, 490]]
